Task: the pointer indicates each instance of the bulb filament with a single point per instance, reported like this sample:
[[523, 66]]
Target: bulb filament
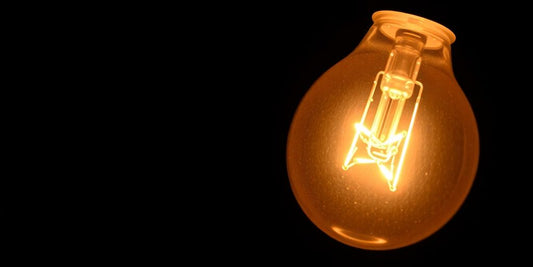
[[386, 139]]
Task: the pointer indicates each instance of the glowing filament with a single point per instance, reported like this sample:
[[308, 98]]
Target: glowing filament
[[387, 138], [388, 153]]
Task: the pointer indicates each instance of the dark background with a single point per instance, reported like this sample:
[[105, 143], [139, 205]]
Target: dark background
[[170, 125], [281, 50], [197, 114]]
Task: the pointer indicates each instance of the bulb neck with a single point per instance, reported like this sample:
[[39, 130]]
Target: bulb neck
[[437, 35], [403, 64]]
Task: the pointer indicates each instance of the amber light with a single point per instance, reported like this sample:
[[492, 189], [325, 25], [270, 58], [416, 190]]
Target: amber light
[[383, 149]]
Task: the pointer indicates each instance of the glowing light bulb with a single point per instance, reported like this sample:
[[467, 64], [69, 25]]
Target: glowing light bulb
[[384, 147]]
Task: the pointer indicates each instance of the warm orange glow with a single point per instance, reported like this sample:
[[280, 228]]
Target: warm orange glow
[[384, 147], [371, 240]]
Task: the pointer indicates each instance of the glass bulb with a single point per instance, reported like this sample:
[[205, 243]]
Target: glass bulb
[[383, 149]]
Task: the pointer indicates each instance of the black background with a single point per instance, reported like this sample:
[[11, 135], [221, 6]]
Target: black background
[[170, 126], [278, 51]]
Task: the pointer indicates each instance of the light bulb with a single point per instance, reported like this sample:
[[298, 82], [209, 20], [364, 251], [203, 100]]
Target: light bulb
[[383, 149]]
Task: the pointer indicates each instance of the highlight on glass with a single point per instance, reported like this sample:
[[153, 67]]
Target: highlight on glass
[[384, 147]]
